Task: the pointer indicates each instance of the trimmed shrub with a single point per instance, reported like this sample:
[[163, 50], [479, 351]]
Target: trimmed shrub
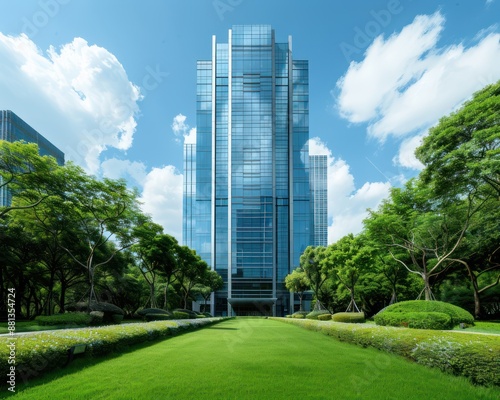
[[315, 314], [300, 314], [200, 316], [191, 313], [181, 315], [158, 317], [471, 355], [417, 320], [208, 315], [96, 317], [349, 317], [76, 318], [107, 308], [458, 315], [145, 311], [325, 317]]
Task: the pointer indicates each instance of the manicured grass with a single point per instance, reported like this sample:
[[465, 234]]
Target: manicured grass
[[252, 359], [483, 327]]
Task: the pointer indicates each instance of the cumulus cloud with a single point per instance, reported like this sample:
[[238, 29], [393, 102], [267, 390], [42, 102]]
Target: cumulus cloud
[[78, 97], [346, 205], [406, 154], [162, 199], [114, 168], [406, 82], [182, 131]]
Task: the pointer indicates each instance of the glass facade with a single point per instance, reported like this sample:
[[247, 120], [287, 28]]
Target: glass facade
[[247, 208], [13, 129], [319, 198]]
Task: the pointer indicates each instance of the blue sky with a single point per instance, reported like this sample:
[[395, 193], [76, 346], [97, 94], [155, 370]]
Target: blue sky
[[112, 83]]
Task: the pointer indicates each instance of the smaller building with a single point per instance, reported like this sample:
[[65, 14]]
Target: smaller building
[[13, 129], [318, 178]]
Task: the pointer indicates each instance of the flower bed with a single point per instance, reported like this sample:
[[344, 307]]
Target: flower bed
[[471, 355], [36, 353]]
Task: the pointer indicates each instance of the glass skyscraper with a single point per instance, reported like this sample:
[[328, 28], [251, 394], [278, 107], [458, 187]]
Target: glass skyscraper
[[319, 198], [13, 129], [247, 208]]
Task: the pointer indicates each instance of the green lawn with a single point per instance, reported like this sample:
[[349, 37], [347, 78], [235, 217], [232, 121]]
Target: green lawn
[[252, 359]]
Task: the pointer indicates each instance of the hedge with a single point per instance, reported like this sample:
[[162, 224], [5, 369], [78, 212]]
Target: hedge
[[458, 315], [352, 317], [37, 353], [474, 356], [417, 320], [325, 317]]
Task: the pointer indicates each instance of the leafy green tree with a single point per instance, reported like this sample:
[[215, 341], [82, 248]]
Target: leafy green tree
[[210, 283], [160, 254], [27, 174], [420, 234], [297, 282], [347, 260], [106, 212], [146, 261], [311, 263], [461, 153], [192, 271]]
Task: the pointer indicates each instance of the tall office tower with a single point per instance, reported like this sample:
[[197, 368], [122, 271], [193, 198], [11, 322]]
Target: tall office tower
[[248, 212], [13, 129], [319, 198]]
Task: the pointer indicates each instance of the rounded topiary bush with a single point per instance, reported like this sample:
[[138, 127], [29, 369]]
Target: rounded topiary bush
[[191, 313], [73, 318], [181, 315], [325, 317], [458, 315], [96, 317], [145, 311], [416, 320], [350, 317], [299, 314], [316, 314], [207, 314], [157, 317]]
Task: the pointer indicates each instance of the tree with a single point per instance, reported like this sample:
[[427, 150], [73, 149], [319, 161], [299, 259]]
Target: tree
[[311, 264], [421, 234], [192, 270], [106, 212], [347, 259], [27, 174], [146, 233], [161, 255], [461, 153], [211, 282], [297, 282]]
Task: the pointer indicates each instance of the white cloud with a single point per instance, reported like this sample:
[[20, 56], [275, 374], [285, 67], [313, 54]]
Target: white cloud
[[116, 169], [181, 130], [190, 137], [406, 82], [162, 199], [346, 205], [406, 154], [79, 97]]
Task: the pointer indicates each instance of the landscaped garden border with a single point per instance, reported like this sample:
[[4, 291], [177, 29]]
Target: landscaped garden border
[[37, 353], [475, 356]]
